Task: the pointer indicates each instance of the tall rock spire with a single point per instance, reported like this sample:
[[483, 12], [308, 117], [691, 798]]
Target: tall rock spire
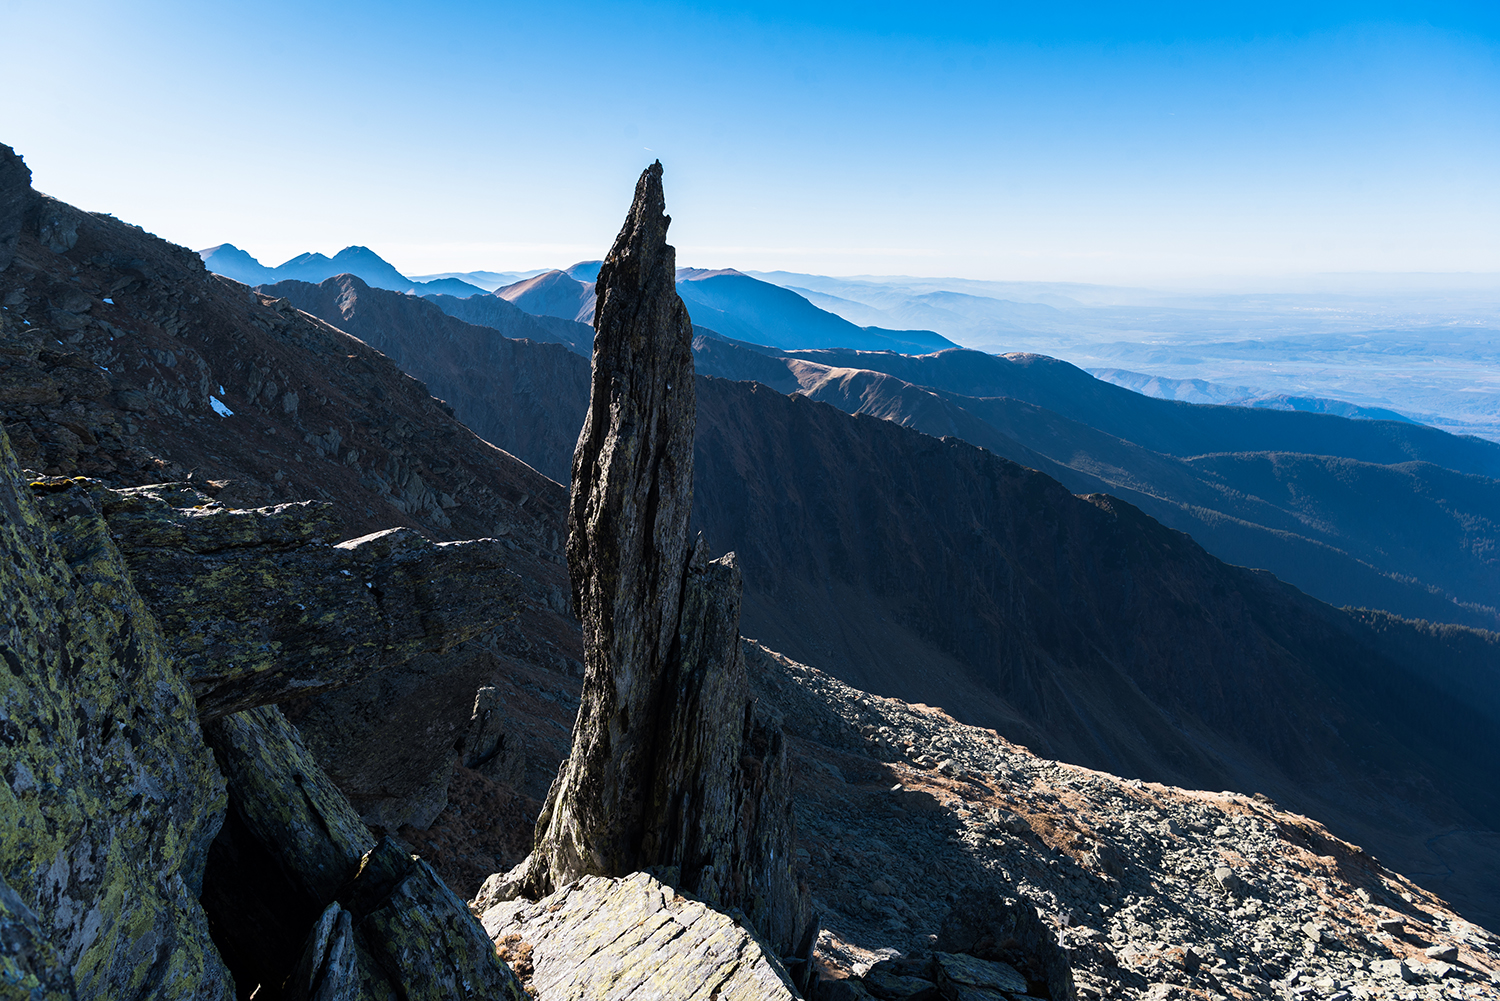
[[627, 539], [670, 770]]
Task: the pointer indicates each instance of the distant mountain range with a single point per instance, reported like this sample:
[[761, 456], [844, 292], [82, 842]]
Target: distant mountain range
[[936, 571], [1201, 391], [487, 280], [1423, 351], [230, 261], [730, 303], [1130, 336]]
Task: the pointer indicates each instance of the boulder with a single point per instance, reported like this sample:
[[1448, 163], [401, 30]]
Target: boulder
[[635, 938], [987, 924], [419, 935], [488, 746], [967, 971]]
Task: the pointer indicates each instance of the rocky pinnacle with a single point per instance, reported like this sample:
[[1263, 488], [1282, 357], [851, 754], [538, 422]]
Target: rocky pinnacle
[[670, 769], [627, 550]]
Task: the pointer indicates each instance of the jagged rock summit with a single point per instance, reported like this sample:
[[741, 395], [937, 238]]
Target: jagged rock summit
[[670, 770]]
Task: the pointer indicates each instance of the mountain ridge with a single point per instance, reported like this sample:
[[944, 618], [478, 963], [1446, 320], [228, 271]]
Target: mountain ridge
[[370, 267], [852, 534]]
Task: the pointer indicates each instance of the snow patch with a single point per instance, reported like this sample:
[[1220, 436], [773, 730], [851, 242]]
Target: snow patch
[[218, 405]]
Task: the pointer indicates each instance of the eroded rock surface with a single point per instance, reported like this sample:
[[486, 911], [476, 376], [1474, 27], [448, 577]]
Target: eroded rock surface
[[669, 769], [633, 938], [260, 605], [110, 798]]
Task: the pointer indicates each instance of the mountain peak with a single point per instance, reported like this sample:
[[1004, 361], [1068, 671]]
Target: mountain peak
[[698, 274]]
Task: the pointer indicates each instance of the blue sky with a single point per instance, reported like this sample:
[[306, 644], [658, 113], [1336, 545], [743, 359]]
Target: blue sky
[[1154, 144]]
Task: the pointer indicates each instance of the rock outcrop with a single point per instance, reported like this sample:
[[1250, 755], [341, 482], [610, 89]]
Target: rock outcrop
[[15, 193], [123, 875], [633, 938], [299, 890], [260, 605], [670, 770], [110, 799]]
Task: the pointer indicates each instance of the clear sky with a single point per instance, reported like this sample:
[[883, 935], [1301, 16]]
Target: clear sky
[[1118, 142]]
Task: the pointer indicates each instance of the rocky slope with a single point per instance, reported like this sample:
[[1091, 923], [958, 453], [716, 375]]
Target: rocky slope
[[120, 357], [940, 573], [1413, 537], [505, 386], [909, 820]]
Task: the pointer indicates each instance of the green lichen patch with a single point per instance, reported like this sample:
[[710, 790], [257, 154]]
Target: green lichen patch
[[110, 797]]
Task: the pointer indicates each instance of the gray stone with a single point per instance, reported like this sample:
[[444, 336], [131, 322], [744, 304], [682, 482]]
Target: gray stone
[[56, 223], [850, 989], [1226, 878], [1447, 953], [329, 969], [899, 987], [1391, 926], [635, 938], [967, 971], [420, 936], [489, 748], [293, 611], [1396, 968], [990, 925]]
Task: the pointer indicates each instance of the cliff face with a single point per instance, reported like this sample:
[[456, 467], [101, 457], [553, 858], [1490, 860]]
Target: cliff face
[[110, 799]]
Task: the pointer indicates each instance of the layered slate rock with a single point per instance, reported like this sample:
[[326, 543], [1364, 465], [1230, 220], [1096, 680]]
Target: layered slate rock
[[262, 604], [299, 893], [670, 770], [110, 798], [633, 938]]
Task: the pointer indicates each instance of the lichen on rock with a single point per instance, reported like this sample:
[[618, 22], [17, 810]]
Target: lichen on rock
[[110, 799]]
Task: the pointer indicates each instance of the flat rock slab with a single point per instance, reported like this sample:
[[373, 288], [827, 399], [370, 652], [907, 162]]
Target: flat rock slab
[[606, 939], [966, 971]]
